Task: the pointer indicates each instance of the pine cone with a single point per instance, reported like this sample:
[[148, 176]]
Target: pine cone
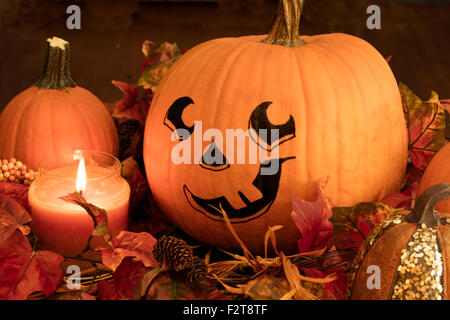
[[175, 252], [197, 273]]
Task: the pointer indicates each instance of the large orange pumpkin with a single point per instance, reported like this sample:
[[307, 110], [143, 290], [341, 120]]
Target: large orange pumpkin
[[54, 115], [335, 105], [438, 171]]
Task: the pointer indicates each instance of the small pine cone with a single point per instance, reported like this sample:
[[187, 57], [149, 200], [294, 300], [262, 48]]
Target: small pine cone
[[197, 273], [173, 251]]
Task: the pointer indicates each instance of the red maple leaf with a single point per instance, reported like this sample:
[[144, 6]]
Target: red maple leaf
[[133, 105], [311, 218], [404, 199], [24, 270], [129, 282]]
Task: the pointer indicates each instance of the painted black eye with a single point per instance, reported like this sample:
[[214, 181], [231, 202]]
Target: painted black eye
[[267, 135], [174, 121], [214, 159]]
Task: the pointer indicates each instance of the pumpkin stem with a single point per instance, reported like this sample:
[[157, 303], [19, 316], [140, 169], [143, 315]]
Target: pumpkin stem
[[285, 31], [56, 69], [423, 211]]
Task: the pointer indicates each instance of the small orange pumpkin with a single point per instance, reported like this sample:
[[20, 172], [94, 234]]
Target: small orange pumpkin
[[407, 256], [332, 98], [55, 115], [437, 171]]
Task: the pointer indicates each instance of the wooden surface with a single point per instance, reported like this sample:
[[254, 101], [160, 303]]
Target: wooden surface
[[108, 46]]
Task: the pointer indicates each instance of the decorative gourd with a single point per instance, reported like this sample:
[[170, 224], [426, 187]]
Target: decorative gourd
[[333, 99], [437, 171], [406, 257], [54, 115]]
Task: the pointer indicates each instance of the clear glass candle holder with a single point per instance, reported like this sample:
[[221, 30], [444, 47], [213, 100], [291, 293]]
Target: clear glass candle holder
[[64, 227]]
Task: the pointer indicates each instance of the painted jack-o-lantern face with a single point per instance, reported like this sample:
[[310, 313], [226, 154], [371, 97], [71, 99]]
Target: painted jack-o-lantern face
[[260, 132], [329, 108]]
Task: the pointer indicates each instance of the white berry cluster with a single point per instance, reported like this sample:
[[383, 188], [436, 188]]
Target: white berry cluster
[[15, 171]]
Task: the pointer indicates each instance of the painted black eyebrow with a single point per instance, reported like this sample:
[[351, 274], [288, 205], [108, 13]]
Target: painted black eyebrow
[[259, 120], [173, 119]]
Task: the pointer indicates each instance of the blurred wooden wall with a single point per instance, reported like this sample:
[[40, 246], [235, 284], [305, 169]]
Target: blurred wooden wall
[[108, 46]]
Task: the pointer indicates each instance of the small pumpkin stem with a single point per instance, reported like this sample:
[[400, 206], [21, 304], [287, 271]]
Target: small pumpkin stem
[[423, 211], [56, 69], [285, 31]]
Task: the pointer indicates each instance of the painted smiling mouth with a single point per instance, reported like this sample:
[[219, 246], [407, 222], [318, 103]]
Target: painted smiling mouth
[[267, 184]]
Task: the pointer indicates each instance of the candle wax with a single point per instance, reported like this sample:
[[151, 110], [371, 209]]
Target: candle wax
[[64, 227]]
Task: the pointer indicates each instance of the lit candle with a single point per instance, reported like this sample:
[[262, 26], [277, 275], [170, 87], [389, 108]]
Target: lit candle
[[64, 227]]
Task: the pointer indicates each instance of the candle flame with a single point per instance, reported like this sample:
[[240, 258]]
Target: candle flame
[[81, 177]]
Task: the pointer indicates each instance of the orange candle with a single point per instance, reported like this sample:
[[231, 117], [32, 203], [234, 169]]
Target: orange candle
[[64, 227]]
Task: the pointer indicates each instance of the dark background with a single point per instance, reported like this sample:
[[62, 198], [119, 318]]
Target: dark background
[[108, 46]]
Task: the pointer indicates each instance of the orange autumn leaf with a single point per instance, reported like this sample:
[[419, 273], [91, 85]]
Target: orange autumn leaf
[[130, 244], [16, 191], [13, 216]]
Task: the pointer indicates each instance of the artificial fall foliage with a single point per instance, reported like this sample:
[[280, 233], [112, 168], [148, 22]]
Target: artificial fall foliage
[[129, 244], [16, 191], [157, 63], [13, 216], [133, 105], [351, 225], [129, 269], [24, 270], [98, 215], [426, 123], [312, 219]]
